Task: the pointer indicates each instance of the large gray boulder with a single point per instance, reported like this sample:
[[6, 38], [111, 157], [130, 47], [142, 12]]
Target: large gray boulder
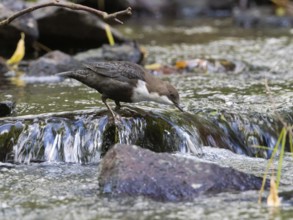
[[133, 171], [71, 30]]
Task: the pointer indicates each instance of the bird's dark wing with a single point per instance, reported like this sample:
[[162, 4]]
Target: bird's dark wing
[[117, 70]]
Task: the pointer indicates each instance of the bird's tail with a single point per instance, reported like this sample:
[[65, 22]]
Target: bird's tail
[[80, 75]]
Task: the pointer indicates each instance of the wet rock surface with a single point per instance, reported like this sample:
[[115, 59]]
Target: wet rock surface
[[128, 51], [82, 137], [6, 108], [128, 170], [61, 190], [55, 27], [57, 61], [228, 109], [224, 110], [52, 63], [46, 137], [153, 128], [70, 30]]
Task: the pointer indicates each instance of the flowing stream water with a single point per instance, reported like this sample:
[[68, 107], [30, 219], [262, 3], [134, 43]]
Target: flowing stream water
[[53, 143]]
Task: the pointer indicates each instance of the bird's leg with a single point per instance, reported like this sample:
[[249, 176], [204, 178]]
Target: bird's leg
[[104, 99], [118, 106]]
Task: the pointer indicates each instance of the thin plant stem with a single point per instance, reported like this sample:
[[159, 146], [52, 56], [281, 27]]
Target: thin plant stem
[[281, 157], [270, 163]]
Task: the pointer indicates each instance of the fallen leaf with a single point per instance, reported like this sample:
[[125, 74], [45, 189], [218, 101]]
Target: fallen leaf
[[273, 198], [19, 52]]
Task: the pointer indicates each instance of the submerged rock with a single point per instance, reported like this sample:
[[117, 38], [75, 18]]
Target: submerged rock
[[129, 170], [83, 137], [51, 137], [6, 108]]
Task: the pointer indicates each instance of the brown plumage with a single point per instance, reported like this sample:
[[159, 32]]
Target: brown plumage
[[124, 82]]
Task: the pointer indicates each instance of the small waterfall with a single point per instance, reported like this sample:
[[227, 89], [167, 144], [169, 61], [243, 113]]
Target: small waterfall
[[59, 139], [131, 129], [84, 138], [190, 140]]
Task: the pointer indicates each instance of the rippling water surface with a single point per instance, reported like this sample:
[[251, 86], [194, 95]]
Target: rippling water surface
[[58, 190]]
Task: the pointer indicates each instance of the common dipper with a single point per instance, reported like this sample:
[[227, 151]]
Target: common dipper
[[124, 82]]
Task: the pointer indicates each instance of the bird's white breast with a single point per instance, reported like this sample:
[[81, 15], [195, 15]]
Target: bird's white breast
[[141, 93]]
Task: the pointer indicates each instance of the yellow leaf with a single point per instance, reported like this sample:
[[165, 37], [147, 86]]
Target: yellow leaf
[[273, 198], [109, 35], [181, 64], [280, 11], [19, 52], [154, 66]]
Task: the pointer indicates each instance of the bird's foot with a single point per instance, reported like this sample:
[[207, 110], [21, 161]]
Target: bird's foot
[[115, 119], [117, 107]]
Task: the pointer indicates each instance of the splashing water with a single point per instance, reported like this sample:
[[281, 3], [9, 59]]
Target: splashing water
[[84, 138]]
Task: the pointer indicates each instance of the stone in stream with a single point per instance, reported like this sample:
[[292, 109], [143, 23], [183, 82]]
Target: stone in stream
[[72, 30], [52, 63], [57, 61], [128, 51], [3, 67], [55, 27], [129, 170], [6, 108]]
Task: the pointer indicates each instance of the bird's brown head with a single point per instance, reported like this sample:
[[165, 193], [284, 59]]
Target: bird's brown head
[[173, 96]]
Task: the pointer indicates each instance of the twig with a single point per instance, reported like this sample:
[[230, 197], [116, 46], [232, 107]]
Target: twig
[[71, 6]]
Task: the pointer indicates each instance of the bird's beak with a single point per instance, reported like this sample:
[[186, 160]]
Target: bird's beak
[[179, 107]]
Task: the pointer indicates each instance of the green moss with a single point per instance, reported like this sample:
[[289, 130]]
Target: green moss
[[110, 137]]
